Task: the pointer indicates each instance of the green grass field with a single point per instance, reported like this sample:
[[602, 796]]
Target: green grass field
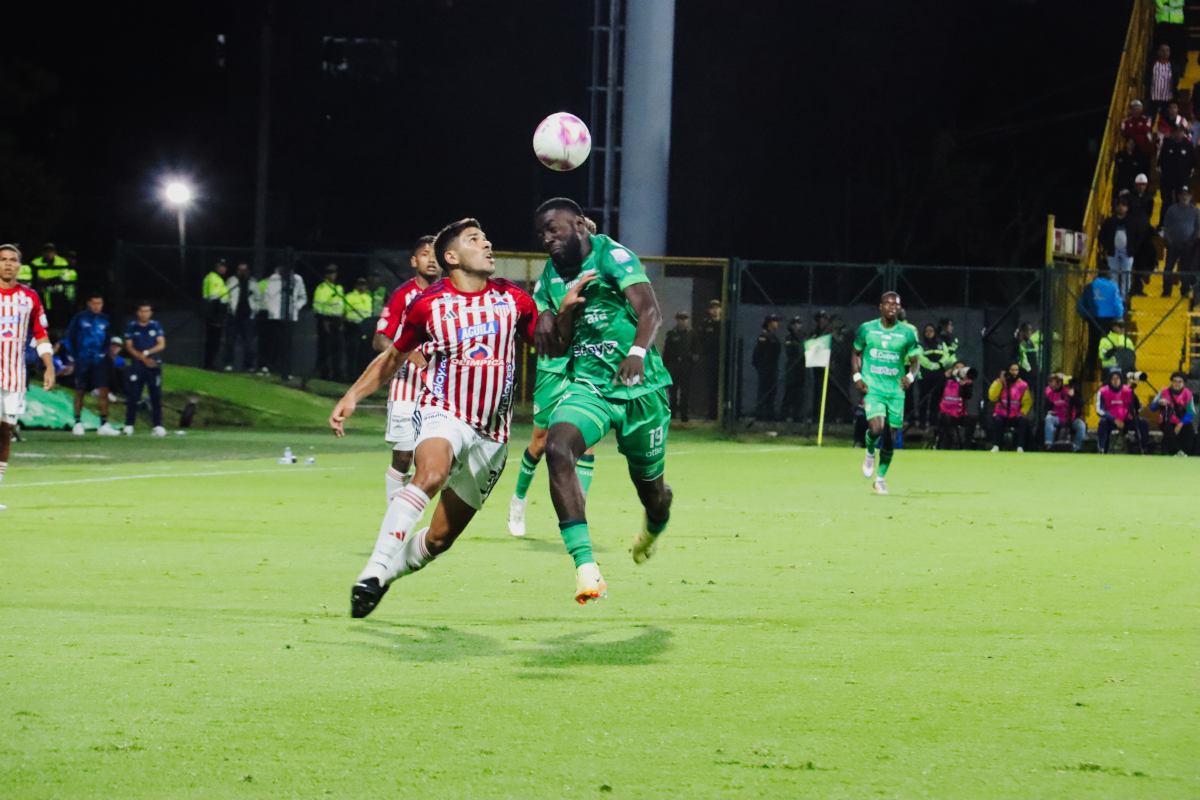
[[176, 626]]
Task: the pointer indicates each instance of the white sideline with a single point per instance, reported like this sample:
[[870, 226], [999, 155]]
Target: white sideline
[[170, 475]]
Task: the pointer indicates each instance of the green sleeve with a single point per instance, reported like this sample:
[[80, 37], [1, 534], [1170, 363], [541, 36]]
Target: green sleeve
[[860, 339], [623, 268], [914, 346], [541, 293]]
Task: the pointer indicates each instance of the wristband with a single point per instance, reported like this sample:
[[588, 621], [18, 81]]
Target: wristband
[[857, 377], [44, 348], [912, 376], [640, 352]]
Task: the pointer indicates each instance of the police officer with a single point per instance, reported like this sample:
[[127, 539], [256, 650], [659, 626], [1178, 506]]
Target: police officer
[[793, 370], [54, 279], [765, 359], [216, 308], [708, 347], [933, 361], [145, 341], [1110, 344], [360, 328], [329, 303], [679, 354]]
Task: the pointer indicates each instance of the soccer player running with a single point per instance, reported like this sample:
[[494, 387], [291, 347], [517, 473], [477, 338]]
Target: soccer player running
[[607, 321], [470, 323], [21, 313], [406, 384], [553, 378], [881, 349]]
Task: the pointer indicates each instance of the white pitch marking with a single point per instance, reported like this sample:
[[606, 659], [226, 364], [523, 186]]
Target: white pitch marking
[[169, 475]]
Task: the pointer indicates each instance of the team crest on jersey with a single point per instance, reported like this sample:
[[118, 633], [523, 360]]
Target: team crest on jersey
[[621, 255], [503, 309]]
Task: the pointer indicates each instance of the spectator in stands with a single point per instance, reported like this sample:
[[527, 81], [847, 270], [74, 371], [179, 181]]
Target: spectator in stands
[[1181, 229], [1063, 409], [1169, 120], [765, 359], [245, 301], [956, 426], [793, 371], [933, 362], [1145, 257], [285, 295], [1162, 78], [946, 331], [1127, 165], [1012, 403], [1174, 167], [1139, 127], [216, 308], [1119, 237], [1117, 406], [360, 329], [87, 342], [1169, 24], [1176, 409], [329, 304], [1116, 350], [679, 354], [1099, 305]]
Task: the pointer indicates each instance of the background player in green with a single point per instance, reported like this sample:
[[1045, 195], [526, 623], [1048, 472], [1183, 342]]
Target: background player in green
[[608, 320], [553, 378], [882, 349]]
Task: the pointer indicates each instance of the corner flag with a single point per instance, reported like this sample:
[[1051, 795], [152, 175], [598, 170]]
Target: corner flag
[[816, 354]]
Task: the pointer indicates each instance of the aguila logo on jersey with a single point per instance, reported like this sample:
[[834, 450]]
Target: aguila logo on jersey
[[478, 355], [475, 331]]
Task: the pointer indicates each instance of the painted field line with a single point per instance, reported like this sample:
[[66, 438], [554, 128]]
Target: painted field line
[[169, 475]]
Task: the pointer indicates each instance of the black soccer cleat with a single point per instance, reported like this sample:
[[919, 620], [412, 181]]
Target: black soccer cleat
[[365, 595]]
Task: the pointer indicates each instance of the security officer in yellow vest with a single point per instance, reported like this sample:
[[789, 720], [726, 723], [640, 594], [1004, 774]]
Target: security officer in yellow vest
[[329, 304], [360, 327], [52, 276], [1169, 29], [1117, 350], [216, 309]]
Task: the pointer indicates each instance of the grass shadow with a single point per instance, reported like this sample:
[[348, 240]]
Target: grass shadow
[[576, 648], [424, 643]]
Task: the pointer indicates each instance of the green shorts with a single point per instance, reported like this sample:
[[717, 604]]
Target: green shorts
[[890, 406], [548, 389], [641, 425]]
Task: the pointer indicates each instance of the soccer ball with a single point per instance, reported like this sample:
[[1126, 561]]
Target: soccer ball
[[562, 142]]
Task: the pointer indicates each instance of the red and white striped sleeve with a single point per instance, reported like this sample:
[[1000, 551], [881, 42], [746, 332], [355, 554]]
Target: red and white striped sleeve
[[526, 315], [37, 318], [414, 331]]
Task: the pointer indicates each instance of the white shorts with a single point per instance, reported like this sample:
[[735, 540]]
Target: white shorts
[[478, 460], [12, 406], [400, 430]]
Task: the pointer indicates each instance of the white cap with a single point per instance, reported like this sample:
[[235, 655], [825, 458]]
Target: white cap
[[1141, 178]]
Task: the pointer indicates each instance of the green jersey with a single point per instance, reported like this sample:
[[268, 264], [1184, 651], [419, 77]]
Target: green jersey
[[885, 355], [606, 326], [548, 293]]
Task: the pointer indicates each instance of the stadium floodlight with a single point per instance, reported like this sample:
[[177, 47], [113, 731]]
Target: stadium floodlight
[[179, 195]]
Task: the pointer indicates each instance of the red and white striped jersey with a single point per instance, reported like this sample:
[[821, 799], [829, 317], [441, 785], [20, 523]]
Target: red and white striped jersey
[[20, 313], [406, 385], [472, 350]]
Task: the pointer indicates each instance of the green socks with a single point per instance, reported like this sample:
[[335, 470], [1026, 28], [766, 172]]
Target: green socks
[[872, 442], [885, 453], [655, 528], [529, 466], [525, 476], [584, 470], [578, 541]]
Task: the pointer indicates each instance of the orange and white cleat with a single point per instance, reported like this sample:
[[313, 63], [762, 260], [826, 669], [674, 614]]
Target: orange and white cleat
[[880, 486], [588, 584]]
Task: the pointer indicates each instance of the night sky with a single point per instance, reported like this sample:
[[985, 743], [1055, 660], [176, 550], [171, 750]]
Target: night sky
[[930, 132]]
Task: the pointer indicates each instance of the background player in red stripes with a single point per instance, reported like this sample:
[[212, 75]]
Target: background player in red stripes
[[470, 323], [21, 313], [406, 385]]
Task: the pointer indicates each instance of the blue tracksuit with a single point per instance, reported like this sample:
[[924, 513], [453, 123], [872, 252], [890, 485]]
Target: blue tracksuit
[[87, 337]]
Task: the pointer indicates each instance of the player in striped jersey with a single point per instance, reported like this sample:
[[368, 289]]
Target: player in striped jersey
[[470, 323], [406, 385], [21, 314]]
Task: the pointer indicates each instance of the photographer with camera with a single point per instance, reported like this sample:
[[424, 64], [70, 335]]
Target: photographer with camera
[[1012, 399], [1118, 405], [953, 410], [1062, 411], [1176, 407]]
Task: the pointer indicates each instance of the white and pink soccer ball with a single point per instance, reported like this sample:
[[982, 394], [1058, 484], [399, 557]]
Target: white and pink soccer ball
[[562, 142]]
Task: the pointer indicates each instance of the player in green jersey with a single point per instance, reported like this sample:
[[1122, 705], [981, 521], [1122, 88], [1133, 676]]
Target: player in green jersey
[[882, 349], [607, 321], [550, 384]]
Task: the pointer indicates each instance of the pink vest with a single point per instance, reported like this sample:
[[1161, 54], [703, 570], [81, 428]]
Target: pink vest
[[1176, 400], [952, 404], [1009, 402], [1116, 403], [1060, 404]]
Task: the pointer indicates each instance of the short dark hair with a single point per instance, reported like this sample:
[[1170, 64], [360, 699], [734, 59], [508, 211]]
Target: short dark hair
[[143, 304], [889, 291], [12, 247], [556, 204], [1117, 323], [448, 235], [93, 295], [422, 241], [1178, 374]]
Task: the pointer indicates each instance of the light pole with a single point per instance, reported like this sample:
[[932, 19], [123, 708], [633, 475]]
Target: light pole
[[179, 194]]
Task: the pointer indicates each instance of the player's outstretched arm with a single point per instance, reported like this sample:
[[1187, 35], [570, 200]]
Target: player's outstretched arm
[[375, 375], [632, 369]]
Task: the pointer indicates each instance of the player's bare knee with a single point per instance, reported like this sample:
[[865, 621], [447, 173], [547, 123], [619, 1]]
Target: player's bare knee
[[560, 454]]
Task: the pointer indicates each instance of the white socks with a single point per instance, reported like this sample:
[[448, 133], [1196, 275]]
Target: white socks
[[395, 482], [399, 549], [3, 467]]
